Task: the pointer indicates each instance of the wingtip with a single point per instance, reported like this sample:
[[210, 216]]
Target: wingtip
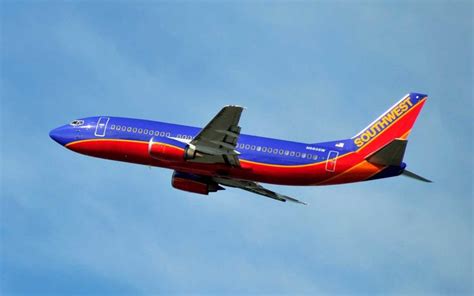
[[296, 201], [235, 106], [301, 202]]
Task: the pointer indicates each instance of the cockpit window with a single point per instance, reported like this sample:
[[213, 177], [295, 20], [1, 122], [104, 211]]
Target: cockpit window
[[77, 122]]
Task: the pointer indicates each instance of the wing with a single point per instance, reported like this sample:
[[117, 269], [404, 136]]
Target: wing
[[216, 142], [255, 188]]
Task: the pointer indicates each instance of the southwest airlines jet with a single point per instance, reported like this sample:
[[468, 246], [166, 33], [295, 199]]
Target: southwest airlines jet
[[206, 159]]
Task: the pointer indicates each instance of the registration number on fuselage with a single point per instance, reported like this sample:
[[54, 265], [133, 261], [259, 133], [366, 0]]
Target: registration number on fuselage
[[315, 149]]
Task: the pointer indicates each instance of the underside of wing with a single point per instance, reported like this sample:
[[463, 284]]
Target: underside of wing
[[254, 187], [216, 142]]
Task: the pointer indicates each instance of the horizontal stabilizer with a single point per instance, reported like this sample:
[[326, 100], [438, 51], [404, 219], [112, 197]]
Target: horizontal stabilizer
[[415, 176], [390, 154]]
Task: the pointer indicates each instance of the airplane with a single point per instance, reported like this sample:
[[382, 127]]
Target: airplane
[[209, 159]]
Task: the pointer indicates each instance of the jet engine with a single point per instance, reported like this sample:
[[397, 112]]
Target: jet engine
[[194, 183], [170, 150]]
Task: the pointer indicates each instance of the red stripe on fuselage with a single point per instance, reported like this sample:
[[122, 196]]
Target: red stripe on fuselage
[[137, 152]]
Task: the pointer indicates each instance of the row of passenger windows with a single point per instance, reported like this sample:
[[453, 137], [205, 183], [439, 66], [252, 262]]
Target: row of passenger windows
[[241, 146], [278, 151], [146, 131], [138, 130]]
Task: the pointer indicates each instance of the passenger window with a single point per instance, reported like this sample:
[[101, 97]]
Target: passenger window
[[145, 131], [162, 134], [281, 151], [129, 129], [140, 130], [247, 146], [269, 150], [112, 127], [259, 148], [264, 149], [124, 128], [309, 156], [253, 147], [287, 152], [135, 129], [168, 134], [303, 155], [275, 151], [292, 153], [315, 157], [298, 154]]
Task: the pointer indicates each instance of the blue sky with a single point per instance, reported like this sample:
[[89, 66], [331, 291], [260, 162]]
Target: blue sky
[[306, 71]]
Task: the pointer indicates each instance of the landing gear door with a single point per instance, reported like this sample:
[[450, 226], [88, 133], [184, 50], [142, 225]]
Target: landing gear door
[[331, 161], [101, 126]]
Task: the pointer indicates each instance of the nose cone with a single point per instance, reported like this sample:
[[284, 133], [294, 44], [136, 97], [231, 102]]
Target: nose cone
[[62, 135]]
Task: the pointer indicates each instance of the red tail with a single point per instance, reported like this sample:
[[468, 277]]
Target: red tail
[[396, 123]]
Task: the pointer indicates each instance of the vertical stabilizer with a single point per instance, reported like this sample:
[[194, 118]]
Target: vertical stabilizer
[[395, 123]]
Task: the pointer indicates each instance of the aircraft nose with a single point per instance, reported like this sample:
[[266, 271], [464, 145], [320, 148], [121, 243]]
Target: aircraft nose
[[60, 135]]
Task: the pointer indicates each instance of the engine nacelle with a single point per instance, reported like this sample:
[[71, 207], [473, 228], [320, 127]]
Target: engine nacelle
[[170, 150], [194, 183]]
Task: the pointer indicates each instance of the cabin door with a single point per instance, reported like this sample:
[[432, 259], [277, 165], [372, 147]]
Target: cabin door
[[331, 161], [101, 126]]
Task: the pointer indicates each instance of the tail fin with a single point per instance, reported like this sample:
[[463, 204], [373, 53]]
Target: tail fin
[[395, 123]]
